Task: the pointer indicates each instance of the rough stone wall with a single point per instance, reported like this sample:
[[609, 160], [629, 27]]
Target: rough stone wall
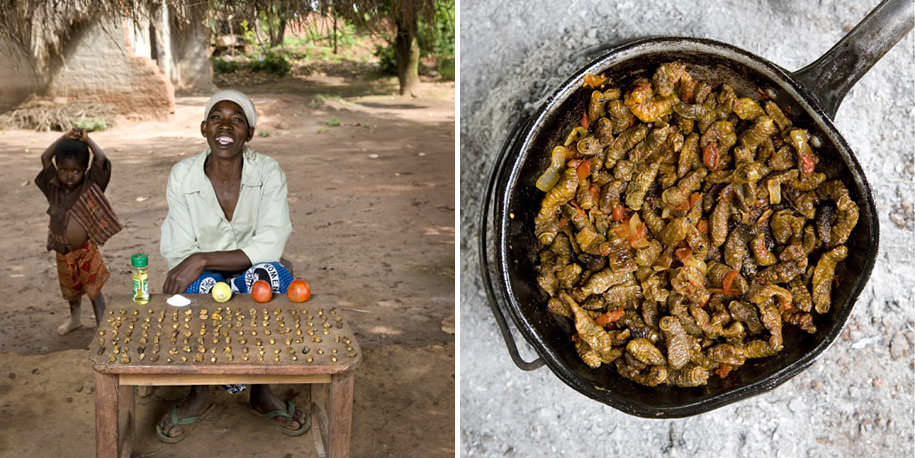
[[100, 64], [17, 77]]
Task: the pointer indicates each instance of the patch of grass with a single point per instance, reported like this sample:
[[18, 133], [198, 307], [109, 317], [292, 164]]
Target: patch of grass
[[293, 41], [91, 124], [333, 122], [263, 133], [271, 62], [323, 131], [321, 99], [221, 66]]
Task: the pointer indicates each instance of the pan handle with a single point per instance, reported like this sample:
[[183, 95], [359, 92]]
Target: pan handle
[[495, 300], [831, 76]]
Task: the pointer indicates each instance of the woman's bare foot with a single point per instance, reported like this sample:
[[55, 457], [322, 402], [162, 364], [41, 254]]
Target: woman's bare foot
[[264, 401], [196, 403]]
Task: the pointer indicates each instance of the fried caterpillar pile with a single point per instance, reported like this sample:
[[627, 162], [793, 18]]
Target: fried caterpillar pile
[[682, 225]]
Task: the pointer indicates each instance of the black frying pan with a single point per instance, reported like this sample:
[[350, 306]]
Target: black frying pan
[[812, 96]]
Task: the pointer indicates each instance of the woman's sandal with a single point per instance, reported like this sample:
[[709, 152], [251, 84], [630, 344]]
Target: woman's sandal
[[289, 415], [174, 419]]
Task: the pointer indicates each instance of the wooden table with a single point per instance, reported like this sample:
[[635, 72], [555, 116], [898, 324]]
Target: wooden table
[[207, 343]]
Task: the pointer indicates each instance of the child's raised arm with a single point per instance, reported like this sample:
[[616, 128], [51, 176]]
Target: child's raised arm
[[75, 134], [97, 151]]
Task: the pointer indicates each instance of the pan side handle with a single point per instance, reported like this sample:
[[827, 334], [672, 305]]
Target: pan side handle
[[496, 300], [831, 76]]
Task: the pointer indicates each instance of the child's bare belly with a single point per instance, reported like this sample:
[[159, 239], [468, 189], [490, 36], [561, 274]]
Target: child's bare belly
[[76, 235]]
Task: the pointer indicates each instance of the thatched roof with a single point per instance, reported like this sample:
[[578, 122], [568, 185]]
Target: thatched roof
[[41, 28]]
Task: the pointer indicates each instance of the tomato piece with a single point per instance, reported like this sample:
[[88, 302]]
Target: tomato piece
[[710, 155], [807, 164], [261, 291], [702, 226], [602, 319], [619, 213], [609, 317], [584, 120], [728, 282], [723, 370], [595, 192], [299, 291], [683, 253], [583, 170]]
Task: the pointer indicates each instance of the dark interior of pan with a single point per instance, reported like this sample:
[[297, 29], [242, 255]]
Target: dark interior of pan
[[517, 202]]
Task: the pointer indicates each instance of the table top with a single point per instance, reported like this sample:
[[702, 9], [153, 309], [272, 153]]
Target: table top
[[239, 336]]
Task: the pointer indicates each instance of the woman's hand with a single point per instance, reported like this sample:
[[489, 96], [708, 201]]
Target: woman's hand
[[182, 275]]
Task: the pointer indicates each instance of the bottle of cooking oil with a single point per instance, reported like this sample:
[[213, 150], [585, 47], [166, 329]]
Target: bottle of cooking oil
[[138, 264]]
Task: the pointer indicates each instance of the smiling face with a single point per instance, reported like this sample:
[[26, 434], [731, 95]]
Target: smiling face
[[226, 129]]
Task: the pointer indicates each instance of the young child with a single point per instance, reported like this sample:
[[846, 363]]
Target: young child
[[81, 219]]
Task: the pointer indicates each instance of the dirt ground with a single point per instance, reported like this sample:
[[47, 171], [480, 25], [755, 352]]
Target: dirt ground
[[371, 194]]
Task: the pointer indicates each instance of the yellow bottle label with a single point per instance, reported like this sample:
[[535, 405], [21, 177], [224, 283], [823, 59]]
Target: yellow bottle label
[[140, 287]]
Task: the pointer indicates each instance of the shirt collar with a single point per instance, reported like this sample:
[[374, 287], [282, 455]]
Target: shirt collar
[[249, 177]]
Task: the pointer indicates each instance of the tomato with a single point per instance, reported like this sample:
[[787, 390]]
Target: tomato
[[261, 291], [299, 291], [583, 170], [710, 156], [807, 164]]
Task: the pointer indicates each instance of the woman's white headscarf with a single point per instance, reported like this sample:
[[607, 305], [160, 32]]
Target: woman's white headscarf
[[247, 106]]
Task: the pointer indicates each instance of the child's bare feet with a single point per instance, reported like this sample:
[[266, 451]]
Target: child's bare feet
[[69, 326], [73, 323]]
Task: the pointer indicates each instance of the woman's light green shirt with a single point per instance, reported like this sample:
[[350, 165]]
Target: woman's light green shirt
[[195, 222]]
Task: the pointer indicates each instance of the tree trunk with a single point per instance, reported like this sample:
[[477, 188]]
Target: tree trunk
[[279, 33], [406, 48], [335, 31]]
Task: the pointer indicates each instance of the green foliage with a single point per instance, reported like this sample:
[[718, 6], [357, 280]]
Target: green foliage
[[263, 133], [91, 124], [387, 59], [334, 122], [291, 41], [271, 62], [347, 35], [224, 66], [248, 34], [437, 37], [445, 67]]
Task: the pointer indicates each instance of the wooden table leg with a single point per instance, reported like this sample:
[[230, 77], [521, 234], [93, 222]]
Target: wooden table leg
[[126, 403], [106, 415], [340, 411]]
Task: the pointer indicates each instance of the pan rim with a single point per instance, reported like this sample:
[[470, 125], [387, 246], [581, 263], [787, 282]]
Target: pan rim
[[519, 151]]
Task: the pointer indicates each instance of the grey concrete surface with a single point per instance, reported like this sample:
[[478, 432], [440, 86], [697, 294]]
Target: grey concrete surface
[[856, 401]]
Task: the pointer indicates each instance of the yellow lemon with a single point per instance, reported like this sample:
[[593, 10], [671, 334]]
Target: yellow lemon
[[221, 292]]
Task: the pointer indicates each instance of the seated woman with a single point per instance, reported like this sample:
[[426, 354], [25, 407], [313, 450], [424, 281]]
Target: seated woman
[[228, 220]]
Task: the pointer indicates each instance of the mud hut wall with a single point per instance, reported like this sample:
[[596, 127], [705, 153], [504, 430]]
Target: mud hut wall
[[191, 70], [18, 79], [108, 62]]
